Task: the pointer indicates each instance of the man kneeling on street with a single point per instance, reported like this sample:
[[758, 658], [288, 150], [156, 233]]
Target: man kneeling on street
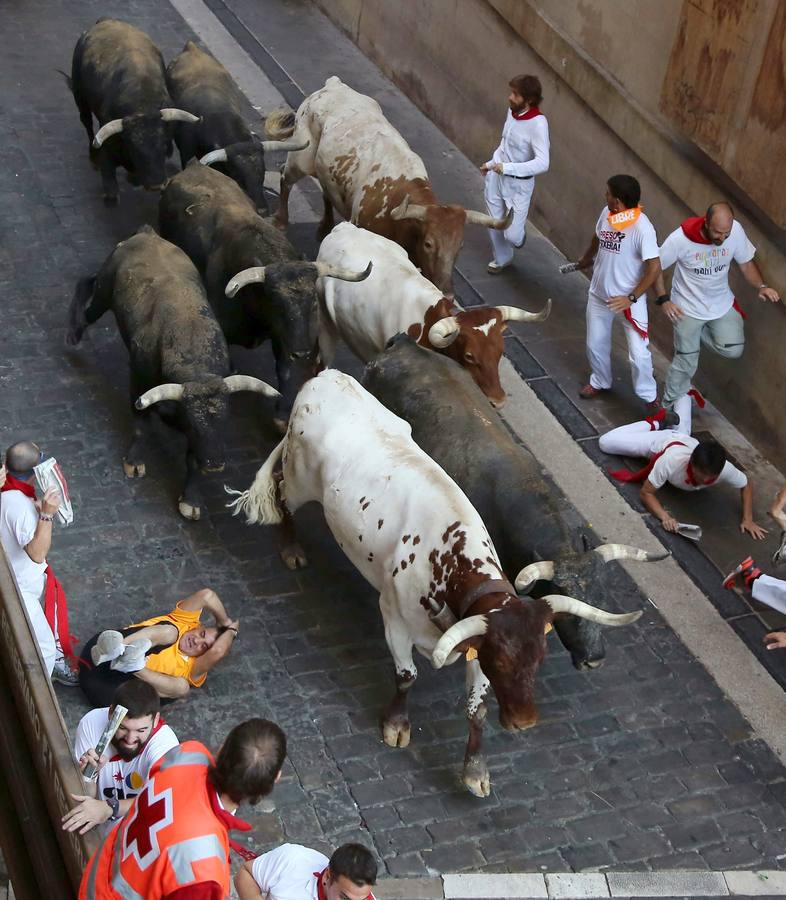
[[679, 459], [173, 652], [123, 769]]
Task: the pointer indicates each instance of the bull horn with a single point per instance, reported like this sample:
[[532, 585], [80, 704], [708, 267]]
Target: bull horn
[[443, 332], [289, 146], [478, 218], [247, 276], [237, 383], [171, 114], [326, 270], [474, 626], [157, 394], [514, 314], [608, 552], [537, 571], [560, 604], [213, 157], [106, 131], [406, 211]]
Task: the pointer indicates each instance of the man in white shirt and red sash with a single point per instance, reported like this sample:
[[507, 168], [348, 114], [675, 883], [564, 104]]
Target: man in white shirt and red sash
[[702, 307], [294, 872], [124, 768], [510, 174], [679, 459], [624, 250], [26, 536]]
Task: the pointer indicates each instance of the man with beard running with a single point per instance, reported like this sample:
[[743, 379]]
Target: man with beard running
[[141, 740]]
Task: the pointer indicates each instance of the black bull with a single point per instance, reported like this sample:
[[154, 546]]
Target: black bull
[[527, 516]]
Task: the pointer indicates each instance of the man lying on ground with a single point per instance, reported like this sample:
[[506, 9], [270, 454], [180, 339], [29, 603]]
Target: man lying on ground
[[679, 459], [123, 769], [172, 652]]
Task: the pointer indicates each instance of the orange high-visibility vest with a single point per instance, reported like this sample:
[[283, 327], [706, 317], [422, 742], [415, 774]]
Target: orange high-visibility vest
[[169, 838]]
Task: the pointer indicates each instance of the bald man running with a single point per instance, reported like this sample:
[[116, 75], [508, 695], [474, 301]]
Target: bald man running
[[702, 307]]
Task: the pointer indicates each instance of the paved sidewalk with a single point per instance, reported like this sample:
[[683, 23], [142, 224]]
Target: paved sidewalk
[[642, 765]]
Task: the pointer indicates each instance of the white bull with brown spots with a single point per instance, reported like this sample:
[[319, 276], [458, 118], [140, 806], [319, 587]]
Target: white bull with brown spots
[[368, 173], [397, 298], [414, 535]]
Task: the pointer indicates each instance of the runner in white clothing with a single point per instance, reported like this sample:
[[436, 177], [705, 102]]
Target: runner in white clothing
[[701, 306], [294, 872], [624, 249], [141, 740], [679, 459], [510, 174]]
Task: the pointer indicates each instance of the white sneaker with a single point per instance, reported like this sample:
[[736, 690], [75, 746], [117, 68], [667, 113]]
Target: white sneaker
[[133, 658], [108, 647], [494, 268], [62, 673]]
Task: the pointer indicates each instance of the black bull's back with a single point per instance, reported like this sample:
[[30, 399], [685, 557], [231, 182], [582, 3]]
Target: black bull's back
[[527, 515]]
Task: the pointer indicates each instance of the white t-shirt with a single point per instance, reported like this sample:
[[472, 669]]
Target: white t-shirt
[[700, 286], [673, 466], [120, 778], [290, 872], [619, 264], [18, 524], [524, 148]]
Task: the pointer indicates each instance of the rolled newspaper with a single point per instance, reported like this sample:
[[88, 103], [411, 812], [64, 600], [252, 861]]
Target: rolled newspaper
[[90, 771], [568, 268], [49, 474], [693, 532]]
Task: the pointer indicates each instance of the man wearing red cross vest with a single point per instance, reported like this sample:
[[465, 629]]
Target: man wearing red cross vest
[[173, 843], [679, 459], [26, 536]]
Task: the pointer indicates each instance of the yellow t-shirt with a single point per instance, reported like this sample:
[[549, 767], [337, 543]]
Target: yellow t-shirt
[[171, 661]]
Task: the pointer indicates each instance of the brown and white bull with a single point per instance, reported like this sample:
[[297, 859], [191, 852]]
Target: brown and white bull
[[414, 535], [368, 173], [397, 298]]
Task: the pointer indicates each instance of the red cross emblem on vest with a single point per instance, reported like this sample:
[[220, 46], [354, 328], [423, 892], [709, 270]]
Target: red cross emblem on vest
[[152, 813]]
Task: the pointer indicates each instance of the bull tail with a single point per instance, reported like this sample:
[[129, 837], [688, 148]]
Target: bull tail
[[260, 502], [67, 78], [280, 124]]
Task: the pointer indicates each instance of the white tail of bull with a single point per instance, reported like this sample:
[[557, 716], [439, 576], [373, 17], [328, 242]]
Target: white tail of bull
[[260, 502], [280, 124]]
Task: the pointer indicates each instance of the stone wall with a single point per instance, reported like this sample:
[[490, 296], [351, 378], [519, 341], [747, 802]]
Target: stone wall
[[687, 96]]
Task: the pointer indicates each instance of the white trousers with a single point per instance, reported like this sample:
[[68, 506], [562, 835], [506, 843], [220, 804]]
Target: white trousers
[[638, 438], [43, 633], [600, 321], [771, 591], [503, 193]]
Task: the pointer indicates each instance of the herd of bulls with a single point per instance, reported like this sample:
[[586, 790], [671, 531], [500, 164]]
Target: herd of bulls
[[421, 484]]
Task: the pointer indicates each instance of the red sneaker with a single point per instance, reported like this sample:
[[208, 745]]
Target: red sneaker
[[588, 392], [745, 568]]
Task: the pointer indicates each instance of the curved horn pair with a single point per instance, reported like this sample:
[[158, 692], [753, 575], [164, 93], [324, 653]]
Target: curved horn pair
[[289, 146], [474, 626], [514, 314], [537, 571], [168, 114], [443, 332], [213, 157], [574, 607], [407, 210], [256, 274], [234, 383]]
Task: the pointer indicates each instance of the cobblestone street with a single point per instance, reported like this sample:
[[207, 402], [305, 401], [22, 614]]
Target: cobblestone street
[[642, 764]]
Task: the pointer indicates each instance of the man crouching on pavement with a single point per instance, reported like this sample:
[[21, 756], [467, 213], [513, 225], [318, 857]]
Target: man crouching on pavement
[[173, 652]]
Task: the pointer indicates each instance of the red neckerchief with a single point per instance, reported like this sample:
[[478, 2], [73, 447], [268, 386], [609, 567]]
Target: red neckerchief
[[693, 229], [321, 895], [641, 475], [641, 332], [690, 478], [230, 822], [118, 758], [55, 604], [14, 484], [529, 114]]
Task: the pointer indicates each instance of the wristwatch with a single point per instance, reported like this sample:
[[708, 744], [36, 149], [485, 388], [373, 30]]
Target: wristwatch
[[632, 298], [114, 805], [663, 298]]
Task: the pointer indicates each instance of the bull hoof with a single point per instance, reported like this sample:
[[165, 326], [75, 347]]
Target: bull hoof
[[133, 470], [396, 732], [587, 665], [187, 511], [293, 557], [280, 425], [476, 778]]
